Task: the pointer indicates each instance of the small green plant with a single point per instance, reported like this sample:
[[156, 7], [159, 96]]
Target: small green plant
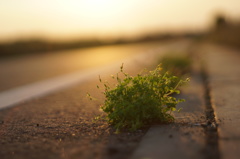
[[141, 100], [178, 65]]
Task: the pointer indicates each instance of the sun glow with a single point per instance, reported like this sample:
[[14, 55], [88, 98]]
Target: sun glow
[[102, 18], [103, 9]]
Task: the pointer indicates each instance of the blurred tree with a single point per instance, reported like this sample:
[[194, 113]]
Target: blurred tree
[[220, 22]]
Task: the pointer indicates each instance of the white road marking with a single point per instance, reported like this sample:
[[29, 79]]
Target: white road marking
[[23, 93]]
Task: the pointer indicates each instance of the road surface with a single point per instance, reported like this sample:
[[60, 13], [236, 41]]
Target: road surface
[[27, 77], [60, 123]]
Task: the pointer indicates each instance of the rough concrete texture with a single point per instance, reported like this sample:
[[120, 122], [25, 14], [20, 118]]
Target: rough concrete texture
[[186, 137], [223, 67], [221, 90], [221, 63], [61, 125], [53, 127], [170, 142]]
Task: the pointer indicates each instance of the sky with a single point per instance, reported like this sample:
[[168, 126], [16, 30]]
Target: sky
[[69, 19]]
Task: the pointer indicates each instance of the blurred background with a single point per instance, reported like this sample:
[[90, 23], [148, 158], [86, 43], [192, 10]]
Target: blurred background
[[48, 45], [37, 26]]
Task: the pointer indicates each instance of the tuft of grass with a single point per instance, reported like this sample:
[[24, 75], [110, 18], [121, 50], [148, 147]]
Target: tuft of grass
[[178, 65], [141, 100]]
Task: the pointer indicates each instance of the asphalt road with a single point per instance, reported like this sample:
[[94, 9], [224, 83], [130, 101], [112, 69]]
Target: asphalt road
[[26, 77], [60, 124], [19, 71], [59, 121]]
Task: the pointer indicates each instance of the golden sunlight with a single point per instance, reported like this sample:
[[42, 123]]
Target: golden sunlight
[[107, 18], [98, 5], [106, 9]]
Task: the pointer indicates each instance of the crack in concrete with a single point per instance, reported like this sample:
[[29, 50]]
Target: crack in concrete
[[211, 149]]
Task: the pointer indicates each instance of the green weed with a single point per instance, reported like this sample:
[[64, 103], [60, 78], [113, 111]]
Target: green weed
[[141, 100], [178, 65]]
